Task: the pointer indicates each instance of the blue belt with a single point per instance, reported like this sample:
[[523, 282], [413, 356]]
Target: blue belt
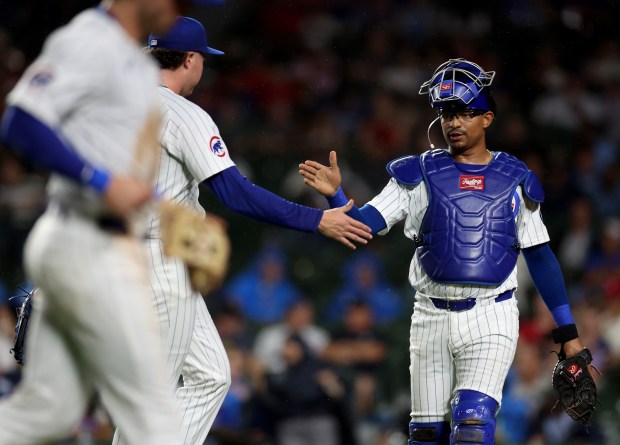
[[467, 304]]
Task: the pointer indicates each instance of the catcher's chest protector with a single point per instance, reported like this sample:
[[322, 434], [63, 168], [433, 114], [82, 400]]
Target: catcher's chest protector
[[469, 234]]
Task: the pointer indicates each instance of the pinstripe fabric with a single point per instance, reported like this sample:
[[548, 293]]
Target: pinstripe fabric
[[206, 378], [187, 159], [451, 351], [189, 337]]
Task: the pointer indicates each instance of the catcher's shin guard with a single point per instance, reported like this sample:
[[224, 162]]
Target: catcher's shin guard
[[473, 418], [429, 433]]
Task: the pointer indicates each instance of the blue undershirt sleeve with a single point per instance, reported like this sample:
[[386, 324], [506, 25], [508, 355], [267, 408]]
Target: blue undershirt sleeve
[[240, 195], [36, 141], [547, 276], [367, 214]]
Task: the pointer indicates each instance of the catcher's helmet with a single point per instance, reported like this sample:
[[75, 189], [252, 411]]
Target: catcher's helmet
[[459, 83]]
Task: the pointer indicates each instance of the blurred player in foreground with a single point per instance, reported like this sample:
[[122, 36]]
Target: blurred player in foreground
[[194, 153], [87, 110], [469, 212]]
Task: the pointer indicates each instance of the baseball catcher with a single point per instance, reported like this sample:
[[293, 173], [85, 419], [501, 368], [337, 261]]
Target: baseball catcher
[[470, 212]]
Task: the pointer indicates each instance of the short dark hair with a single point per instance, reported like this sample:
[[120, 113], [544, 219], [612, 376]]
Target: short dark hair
[[168, 59]]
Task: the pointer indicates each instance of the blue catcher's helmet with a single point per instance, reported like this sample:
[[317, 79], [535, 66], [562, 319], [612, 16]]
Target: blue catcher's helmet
[[459, 83]]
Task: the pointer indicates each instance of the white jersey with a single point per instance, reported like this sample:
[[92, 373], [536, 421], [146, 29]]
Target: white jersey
[[397, 202], [93, 328], [193, 150], [88, 74]]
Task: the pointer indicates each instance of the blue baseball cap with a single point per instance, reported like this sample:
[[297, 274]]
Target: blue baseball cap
[[186, 34]]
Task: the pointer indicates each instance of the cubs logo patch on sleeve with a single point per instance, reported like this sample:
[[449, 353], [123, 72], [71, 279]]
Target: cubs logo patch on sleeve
[[217, 146]]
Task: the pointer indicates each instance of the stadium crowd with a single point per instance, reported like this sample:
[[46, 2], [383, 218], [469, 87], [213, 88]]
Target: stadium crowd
[[317, 336]]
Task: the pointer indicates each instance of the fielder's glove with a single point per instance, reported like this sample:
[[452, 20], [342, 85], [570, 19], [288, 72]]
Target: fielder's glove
[[201, 243], [574, 387], [21, 329]]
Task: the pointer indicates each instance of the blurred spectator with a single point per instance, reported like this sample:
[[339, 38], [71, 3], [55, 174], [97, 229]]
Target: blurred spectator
[[577, 241], [365, 281], [301, 398], [604, 263], [610, 325], [231, 326], [231, 424], [524, 394], [298, 320], [9, 369], [22, 199], [361, 349], [263, 292]]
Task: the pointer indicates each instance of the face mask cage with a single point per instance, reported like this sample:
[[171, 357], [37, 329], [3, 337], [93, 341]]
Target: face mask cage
[[457, 81]]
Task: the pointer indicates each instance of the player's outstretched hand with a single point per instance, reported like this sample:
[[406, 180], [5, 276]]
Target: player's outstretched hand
[[125, 195], [325, 180], [336, 224]]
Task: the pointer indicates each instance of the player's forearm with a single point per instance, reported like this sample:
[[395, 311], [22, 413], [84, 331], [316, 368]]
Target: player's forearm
[[367, 214], [42, 145], [547, 276], [240, 195]]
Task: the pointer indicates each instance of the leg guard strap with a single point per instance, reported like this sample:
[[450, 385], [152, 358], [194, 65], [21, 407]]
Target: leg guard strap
[[429, 433]]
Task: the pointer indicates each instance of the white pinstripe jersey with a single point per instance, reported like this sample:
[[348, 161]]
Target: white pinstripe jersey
[[96, 87], [397, 202], [193, 151]]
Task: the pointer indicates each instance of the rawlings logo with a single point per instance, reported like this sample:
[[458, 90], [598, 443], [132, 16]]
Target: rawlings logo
[[575, 370], [469, 182], [446, 86], [217, 147]]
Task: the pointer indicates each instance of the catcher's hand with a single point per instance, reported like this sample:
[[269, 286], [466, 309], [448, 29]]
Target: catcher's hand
[[21, 329], [202, 244], [574, 387]]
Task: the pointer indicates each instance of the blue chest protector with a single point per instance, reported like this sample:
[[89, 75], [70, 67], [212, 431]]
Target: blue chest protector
[[468, 234]]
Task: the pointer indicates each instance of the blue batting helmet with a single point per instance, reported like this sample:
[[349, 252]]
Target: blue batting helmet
[[459, 83]]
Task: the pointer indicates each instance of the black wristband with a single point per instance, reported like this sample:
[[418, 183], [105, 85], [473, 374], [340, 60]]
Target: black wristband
[[565, 333]]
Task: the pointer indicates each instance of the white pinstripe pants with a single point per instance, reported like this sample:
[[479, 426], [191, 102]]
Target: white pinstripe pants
[[192, 345], [93, 329], [452, 351]]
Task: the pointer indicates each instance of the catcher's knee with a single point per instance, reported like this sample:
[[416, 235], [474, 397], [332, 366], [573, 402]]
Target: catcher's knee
[[429, 433], [473, 418]]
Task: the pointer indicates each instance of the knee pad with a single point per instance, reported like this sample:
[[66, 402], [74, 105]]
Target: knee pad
[[429, 433], [473, 418]]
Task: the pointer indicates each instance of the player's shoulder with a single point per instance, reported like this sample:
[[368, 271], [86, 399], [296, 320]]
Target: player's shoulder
[[91, 37], [531, 185], [407, 170], [183, 109]]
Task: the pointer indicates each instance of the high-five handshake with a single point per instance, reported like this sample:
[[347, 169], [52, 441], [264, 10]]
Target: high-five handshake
[[326, 181]]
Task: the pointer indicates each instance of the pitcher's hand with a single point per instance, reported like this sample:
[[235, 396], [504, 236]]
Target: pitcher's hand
[[323, 179], [336, 224]]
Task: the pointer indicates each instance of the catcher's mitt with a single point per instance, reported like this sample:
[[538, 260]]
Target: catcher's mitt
[[21, 329], [201, 243], [574, 387]]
